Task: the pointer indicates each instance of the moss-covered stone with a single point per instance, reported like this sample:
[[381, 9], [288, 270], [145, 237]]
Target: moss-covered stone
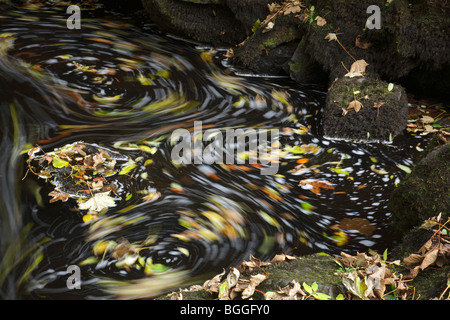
[[381, 123], [269, 52], [425, 192]]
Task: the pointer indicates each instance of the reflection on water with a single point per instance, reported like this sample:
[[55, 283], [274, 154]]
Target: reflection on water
[[126, 90]]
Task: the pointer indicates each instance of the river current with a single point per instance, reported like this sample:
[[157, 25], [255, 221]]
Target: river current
[[126, 89]]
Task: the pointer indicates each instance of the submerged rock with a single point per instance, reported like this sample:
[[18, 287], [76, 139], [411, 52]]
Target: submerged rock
[[425, 192]]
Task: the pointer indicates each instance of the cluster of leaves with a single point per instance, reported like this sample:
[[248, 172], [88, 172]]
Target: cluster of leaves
[[79, 171], [436, 251], [241, 283], [369, 277], [126, 255], [425, 124]]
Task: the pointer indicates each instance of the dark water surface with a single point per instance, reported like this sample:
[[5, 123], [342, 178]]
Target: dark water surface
[[114, 86]]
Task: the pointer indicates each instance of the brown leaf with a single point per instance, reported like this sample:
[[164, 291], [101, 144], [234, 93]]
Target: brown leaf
[[254, 282], [413, 259], [357, 69], [361, 224], [360, 44], [429, 259], [321, 22], [58, 195], [292, 9], [355, 105], [316, 185], [282, 257]]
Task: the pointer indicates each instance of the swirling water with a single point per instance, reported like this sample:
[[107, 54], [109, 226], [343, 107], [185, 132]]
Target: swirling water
[[109, 84]]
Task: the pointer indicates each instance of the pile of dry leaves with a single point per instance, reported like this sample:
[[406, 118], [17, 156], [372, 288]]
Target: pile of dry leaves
[[436, 251], [370, 277]]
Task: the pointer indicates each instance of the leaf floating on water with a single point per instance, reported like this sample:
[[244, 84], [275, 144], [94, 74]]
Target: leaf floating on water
[[127, 167], [106, 100], [340, 171], [378, 171], [58, 195], [315, 185], [57, 162], [404, 168], [98, 202]]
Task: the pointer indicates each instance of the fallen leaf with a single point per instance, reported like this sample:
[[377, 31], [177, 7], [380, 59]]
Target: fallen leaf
[[315, 185], [361, 224], [355, 105], [321, 21], [268, 27], [292, 9], [331, 37], [282, 257], [58, 195], [426, 119], [360, 44], [97, 203], [429, 259], [357, 69]]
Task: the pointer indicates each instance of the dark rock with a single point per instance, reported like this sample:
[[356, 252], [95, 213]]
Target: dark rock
[[424, 193], [269, 52], [212, 22], [369, 122]]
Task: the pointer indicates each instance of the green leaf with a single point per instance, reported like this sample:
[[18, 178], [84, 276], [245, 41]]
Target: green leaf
[[307, 288], [307, 206], [321, 296], [404, 168], [314, 286], [59, 163], [130, 165], [385, 253], [340, 171], [340, 297], [390, 86]]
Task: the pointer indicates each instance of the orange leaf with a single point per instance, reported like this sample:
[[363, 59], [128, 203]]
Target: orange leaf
[[303, 160]]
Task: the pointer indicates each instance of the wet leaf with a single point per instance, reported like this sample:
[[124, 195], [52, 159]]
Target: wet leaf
[[57, 162], [340, 171], [378, 171], [404, 168], [58, 195], [97, 203], [315, 185]]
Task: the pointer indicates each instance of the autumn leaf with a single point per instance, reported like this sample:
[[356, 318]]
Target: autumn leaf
[[321, 21], [58, 195], [315, 185], [97, 203], [331, 37], [357, 69], [355, 105], [360, 44]]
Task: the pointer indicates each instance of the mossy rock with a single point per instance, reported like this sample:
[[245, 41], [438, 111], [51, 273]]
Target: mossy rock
[[270, 52], [369, 123], [425, 192]]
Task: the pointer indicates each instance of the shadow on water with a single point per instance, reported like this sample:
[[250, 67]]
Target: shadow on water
[[122, 89]]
